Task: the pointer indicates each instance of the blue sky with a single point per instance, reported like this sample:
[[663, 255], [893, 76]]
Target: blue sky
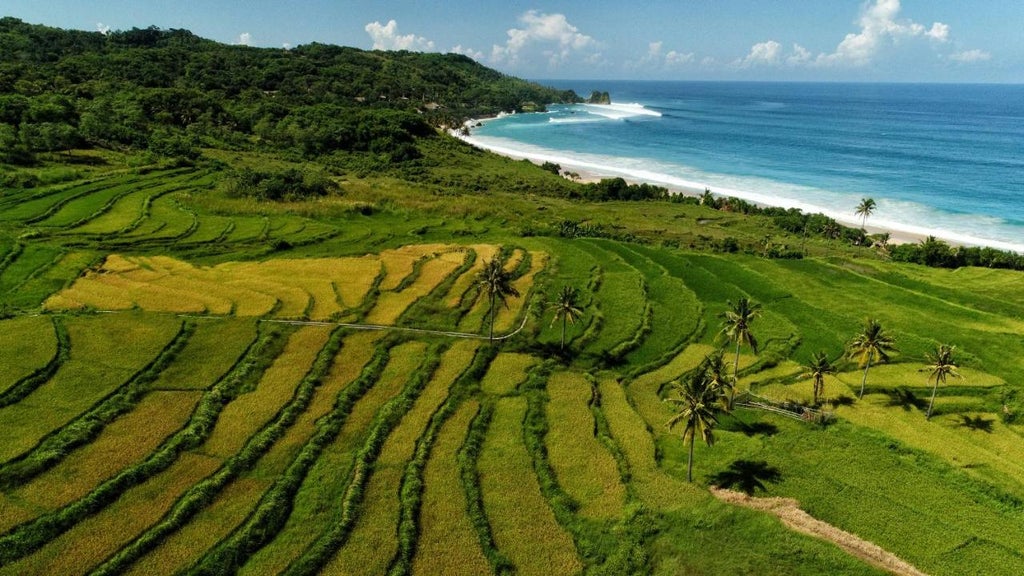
[[834, 40]]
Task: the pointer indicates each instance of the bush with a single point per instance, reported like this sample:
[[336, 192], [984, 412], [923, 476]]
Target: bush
[[286, 185]]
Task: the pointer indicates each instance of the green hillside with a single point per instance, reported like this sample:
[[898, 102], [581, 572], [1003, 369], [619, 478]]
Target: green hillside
[[244, 356]]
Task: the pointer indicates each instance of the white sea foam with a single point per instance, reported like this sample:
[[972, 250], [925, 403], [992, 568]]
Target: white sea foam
[[576, 120], [908, 218], [620, 111]]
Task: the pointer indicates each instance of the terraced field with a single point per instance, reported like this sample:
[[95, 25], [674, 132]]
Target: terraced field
[[180, 396]]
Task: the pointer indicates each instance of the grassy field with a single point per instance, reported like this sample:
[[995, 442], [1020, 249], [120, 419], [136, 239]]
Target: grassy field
[[324, 483], [374, 542], [26, 345], [89, 374], [524, 528], [447, 542], [196, 433], [582, 464]]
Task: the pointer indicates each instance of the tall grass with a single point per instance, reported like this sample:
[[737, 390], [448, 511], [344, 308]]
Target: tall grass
[[446, 542], [24, 342], [31, 536], [380, 511], [124, 442], [282, 527], [84, 428], [582, 465], [524, 528], [202, 493], [321, 551], [84, 379]]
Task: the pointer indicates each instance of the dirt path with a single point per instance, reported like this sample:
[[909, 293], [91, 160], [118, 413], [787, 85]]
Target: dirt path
[[788, 510]]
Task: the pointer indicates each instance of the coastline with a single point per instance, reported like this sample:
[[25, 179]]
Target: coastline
[[899, 232]]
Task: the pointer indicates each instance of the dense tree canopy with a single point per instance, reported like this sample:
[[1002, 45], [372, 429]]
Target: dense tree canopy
[[139, 88]]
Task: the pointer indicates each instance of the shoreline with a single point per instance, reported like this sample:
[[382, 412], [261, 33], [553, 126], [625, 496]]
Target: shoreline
[[900, 233]]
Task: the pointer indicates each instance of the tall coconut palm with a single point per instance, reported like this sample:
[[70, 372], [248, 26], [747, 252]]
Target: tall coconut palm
[[736, 328], [819, 367], [698, 405], [941, 365], [714, 370], [566, 309], [864, 209], [708, 199], [497, 283], [872, 345]]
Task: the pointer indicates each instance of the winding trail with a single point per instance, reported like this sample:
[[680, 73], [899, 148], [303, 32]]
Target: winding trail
[[788, 510]]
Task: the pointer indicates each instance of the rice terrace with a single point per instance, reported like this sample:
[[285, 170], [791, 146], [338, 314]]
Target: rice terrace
[[458, 363]]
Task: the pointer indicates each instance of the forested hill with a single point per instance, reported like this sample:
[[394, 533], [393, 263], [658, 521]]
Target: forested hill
[[170, 90]]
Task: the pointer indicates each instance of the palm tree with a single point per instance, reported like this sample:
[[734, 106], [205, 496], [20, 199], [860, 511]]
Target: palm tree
[[713, 366], [566, 309], [708, 199], [818, 368], [871, 345], [699, 403], [736, 328], [865, 209], [497, 282], [942, 364], [830, 231]]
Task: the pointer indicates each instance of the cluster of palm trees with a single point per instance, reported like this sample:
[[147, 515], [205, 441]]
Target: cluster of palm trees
[[495, 281], [706, 392], [873, 345]]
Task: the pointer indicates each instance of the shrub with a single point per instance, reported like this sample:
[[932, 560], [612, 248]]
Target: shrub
[[286, 185]]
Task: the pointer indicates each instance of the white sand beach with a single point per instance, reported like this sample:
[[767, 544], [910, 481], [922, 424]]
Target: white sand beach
[[900, 232]]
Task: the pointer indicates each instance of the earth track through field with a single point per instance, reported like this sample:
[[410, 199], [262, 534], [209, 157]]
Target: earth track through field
[[788, 510]]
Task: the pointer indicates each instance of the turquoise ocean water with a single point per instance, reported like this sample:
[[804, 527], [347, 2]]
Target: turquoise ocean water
[[946, 160]]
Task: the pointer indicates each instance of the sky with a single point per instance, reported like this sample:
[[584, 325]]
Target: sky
[[784, 40]]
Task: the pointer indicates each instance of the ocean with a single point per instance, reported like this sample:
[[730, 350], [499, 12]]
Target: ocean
[[939, 159]]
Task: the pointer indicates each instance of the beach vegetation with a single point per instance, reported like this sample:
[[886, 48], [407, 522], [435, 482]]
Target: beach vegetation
[[864, 209], [496, 283]]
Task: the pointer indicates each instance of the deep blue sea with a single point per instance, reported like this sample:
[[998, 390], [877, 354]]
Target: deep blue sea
[[946, 160]]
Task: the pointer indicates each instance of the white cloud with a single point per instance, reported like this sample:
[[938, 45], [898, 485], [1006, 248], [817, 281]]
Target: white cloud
[[287, 46], [102, 28], [654, 50], [799, 57], [969, 56], [655, 57], [556, 38], [763, 53], [386, 37], [245, 39], [878, 27], [474, 54], [674, 58], [939, 31]]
